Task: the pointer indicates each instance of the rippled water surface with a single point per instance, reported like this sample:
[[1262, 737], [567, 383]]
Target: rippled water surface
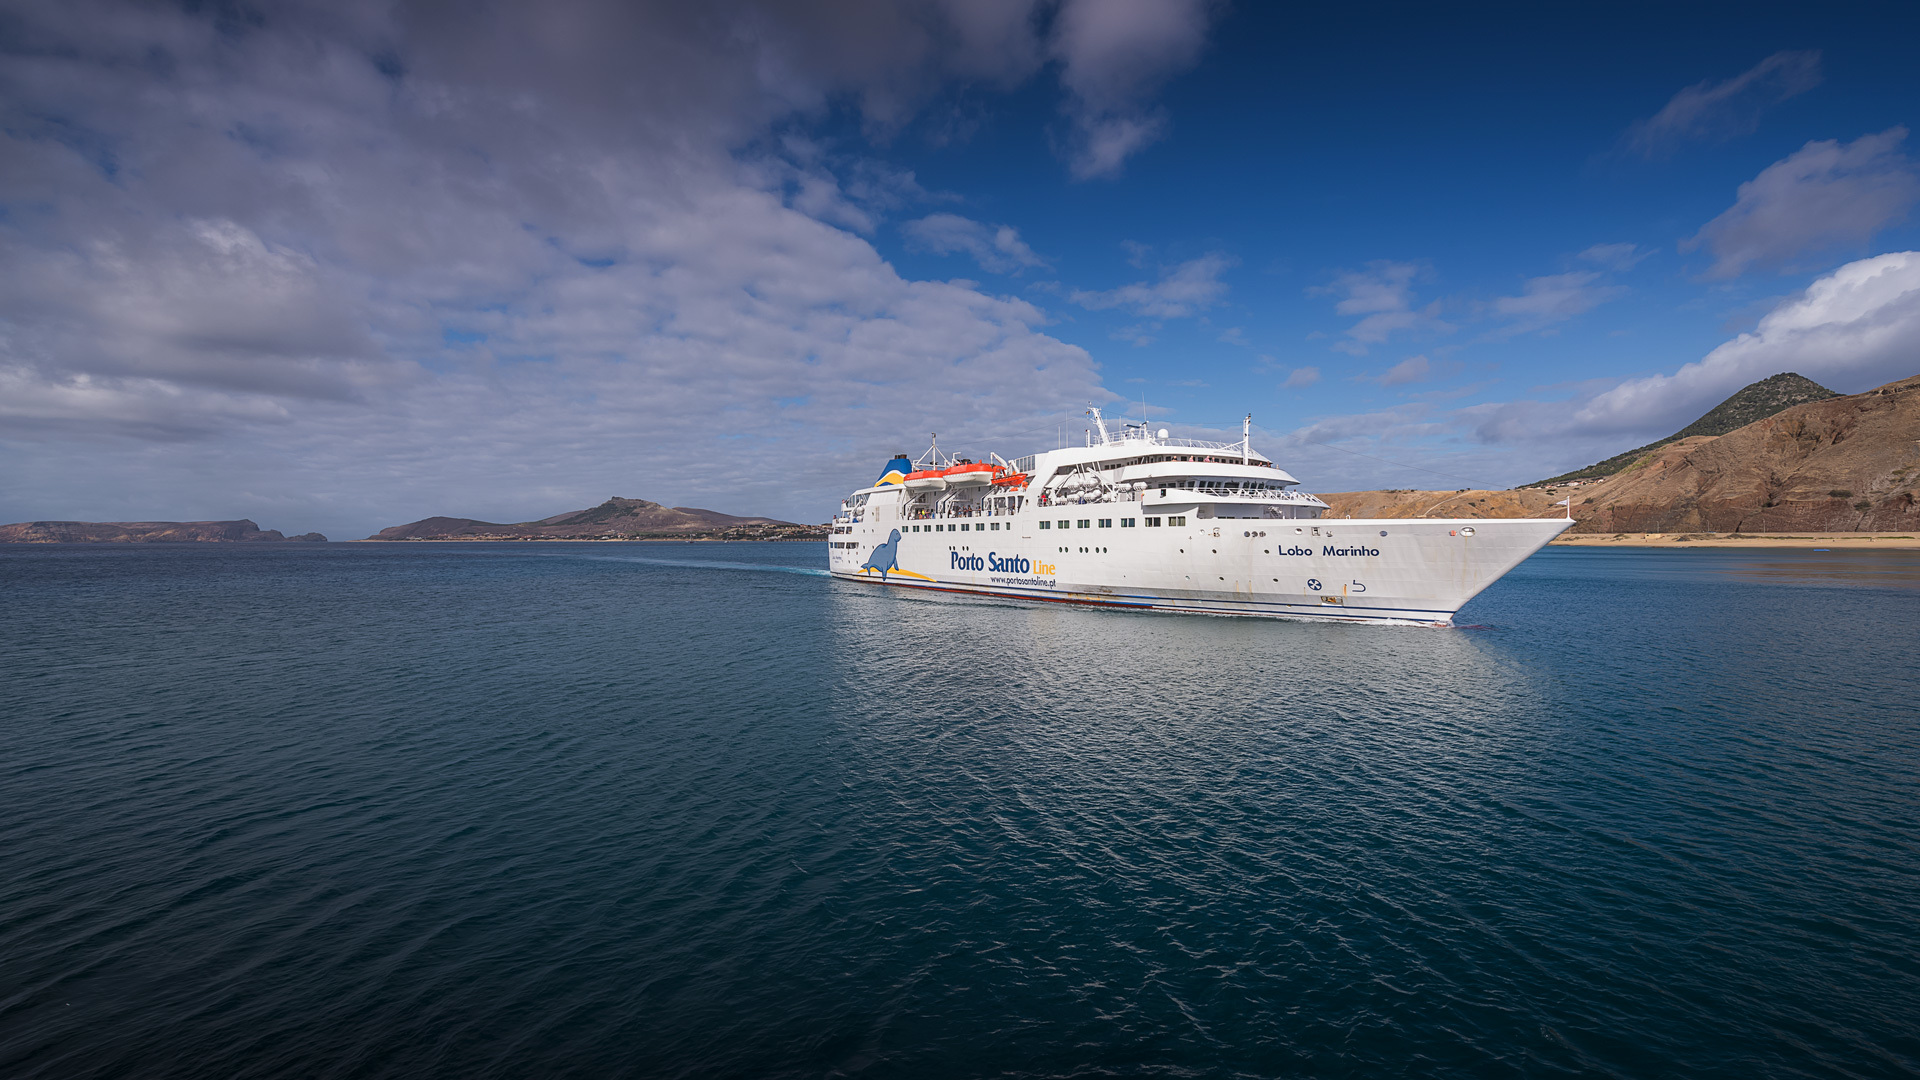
[[697, 810]]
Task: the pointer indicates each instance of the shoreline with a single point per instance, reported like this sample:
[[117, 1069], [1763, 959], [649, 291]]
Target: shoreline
[[1831, 541]]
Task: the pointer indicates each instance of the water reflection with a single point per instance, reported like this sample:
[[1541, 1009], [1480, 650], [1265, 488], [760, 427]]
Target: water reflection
[[1827, 569], [1838, 568]]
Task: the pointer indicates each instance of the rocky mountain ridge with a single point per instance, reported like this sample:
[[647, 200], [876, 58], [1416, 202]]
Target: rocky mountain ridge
[[615, 519], [242, 531]]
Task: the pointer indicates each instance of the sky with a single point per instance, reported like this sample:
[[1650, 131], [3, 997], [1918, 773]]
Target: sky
[[342, 266]]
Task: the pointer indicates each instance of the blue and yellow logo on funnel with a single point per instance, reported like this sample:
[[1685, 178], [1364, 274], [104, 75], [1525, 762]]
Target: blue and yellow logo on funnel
[[895, 472]]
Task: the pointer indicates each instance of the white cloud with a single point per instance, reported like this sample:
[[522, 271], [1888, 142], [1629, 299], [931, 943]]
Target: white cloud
[[1851, 330], [997, 248], [1114, 53], [1821, 196], [1383, 292], [1722, 110], [1411, 370], [534, 270], [1302, 377], [1383, 286], [1616, 257], [1182, 290], [1551, 299]]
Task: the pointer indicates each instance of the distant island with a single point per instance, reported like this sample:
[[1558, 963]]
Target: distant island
[[242, 531], [615, 519], [1809, 461]]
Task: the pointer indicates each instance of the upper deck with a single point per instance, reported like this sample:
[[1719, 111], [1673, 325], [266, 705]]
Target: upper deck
[[1135, 464]]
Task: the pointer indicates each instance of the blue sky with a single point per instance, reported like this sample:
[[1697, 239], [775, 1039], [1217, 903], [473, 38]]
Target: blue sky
[[342, 266]]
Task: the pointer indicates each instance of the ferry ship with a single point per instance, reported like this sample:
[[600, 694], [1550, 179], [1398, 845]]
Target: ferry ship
[[1135, 519]]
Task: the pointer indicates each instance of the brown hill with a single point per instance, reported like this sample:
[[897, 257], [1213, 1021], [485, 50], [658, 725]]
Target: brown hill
[[1522, 502], [1844, 464], [1755, 401], [1848, 464], [144, 532], [615, 519]]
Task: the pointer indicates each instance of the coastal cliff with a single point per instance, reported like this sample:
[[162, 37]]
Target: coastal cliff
[[615, 519], [1842, 464], [242, 531]]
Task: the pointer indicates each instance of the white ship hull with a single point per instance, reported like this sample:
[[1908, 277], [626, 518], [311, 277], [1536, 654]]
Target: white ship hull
[[1421, 571], [1146, 522]]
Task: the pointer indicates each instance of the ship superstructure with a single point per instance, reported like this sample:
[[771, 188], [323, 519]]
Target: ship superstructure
[[1138, 519]]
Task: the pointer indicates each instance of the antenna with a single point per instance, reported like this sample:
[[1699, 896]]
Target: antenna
[[1246, 439]]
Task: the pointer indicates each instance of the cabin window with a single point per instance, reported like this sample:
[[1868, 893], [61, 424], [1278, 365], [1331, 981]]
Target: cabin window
[[1106, 523], [1177, 521], [1046, 524], [1085, 524], [1126, 523], [964, 526], [1066, 524], [1153, 523], [995, 526]]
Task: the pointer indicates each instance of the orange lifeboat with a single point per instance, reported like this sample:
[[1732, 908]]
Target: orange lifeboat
[[971, 474], [1012, 481], [926, 480]]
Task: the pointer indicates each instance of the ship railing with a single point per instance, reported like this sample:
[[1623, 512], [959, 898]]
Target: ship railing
[[1249, 494], [1135, 435]]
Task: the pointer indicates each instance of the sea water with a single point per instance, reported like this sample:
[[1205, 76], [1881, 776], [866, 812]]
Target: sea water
[[444, 810]]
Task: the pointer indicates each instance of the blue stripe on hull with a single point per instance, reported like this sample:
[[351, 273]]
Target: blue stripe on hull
[[1142, 602]]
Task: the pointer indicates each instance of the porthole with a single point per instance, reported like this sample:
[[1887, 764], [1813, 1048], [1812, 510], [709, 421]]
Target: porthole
[[1383, 532]]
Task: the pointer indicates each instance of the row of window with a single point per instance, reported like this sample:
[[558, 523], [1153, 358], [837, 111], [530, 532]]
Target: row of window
[[1219, 485], [1084, 523], [1107, 523]]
